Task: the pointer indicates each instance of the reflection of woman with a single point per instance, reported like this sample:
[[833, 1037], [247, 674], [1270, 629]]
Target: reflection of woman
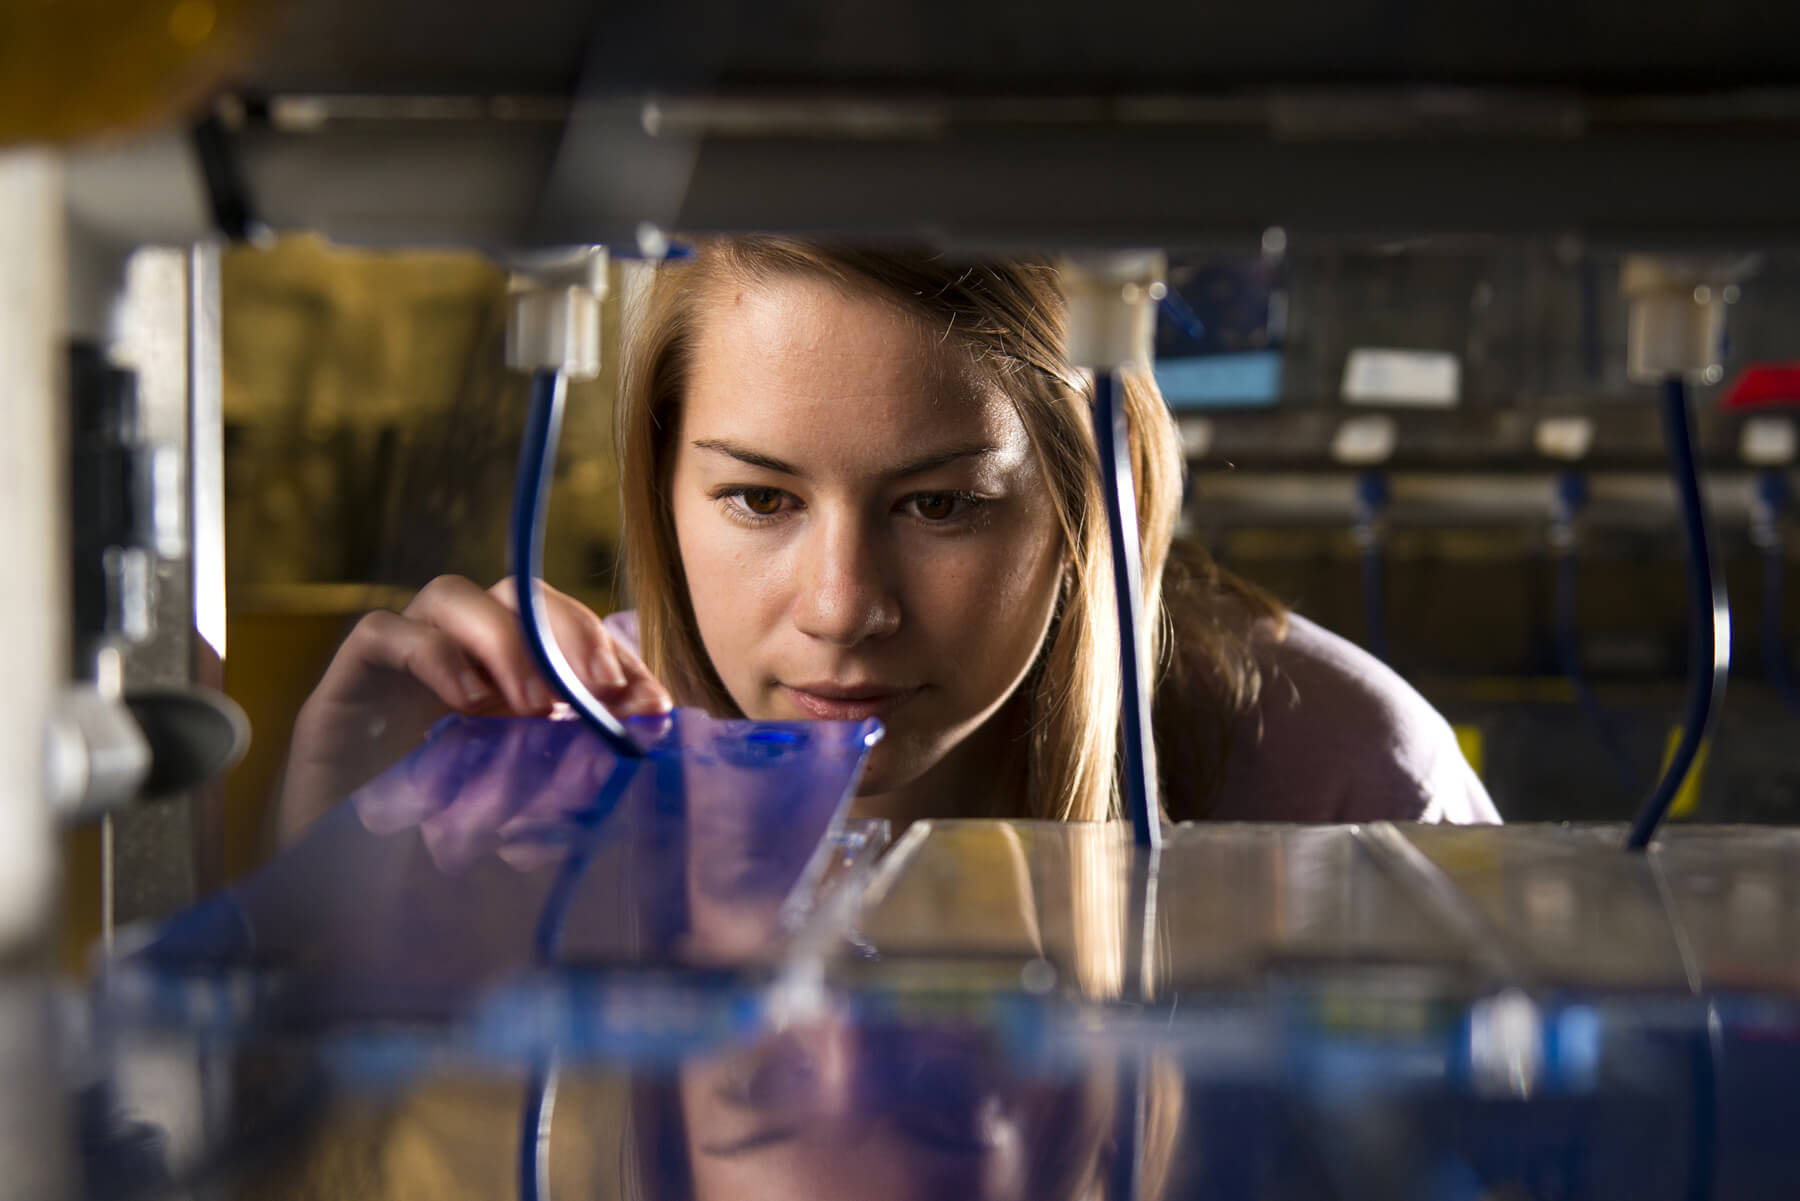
[[827, 1106], [871, 1108], [862, 484], [830, 1111]]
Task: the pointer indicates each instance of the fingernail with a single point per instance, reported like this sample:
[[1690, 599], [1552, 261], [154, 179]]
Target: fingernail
[[537, 694], [609, 674], [474, 691], [642, 701]]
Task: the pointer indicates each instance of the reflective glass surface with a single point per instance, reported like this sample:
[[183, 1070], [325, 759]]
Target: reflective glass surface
[[699, 984], [502, 847]]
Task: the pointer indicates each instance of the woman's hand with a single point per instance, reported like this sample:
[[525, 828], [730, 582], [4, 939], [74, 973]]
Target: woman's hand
[[512, 789], [455, 648]]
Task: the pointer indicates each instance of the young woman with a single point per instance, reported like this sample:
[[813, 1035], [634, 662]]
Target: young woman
[[863, 484]]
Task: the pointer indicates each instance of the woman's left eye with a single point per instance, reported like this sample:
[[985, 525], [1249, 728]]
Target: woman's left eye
[[942, 506]]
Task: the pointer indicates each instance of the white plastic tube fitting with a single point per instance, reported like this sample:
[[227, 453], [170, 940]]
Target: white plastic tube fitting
[[1112, 308], [553, 323]]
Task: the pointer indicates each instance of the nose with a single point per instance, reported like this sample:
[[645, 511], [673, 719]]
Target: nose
[[833, 1045], [808, 1068], [845, 591]]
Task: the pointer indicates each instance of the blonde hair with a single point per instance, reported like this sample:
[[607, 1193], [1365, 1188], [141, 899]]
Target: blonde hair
[[1010, 319]]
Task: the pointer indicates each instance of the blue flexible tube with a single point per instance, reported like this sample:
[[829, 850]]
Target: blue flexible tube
[[1709, 619], [1371, 499], [531, 503], [1182, 315], [540, 1085], [1374, 586], [1112, 440], [534, 1132], [1708, 1053]]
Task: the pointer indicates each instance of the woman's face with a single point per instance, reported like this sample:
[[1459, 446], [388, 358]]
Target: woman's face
[[863, 525], [826, 1111]]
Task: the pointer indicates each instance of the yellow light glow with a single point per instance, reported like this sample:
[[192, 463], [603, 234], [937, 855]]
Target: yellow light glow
[[1469, 739], [1687, 801], [192, 21]]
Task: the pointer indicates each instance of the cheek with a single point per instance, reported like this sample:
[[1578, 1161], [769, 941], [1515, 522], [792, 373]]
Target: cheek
[[732, 590], [989, 607]]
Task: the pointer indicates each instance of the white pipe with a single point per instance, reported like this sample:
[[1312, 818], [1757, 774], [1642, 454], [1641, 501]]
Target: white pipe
[[33, 662], [34, 603]]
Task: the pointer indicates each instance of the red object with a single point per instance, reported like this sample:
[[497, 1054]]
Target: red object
[[1763, 386]]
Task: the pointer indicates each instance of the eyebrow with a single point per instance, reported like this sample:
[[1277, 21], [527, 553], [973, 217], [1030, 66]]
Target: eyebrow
[[756, 1140], [919, 466]]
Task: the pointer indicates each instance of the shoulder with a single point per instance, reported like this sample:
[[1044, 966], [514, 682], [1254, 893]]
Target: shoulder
[[1336, 735]]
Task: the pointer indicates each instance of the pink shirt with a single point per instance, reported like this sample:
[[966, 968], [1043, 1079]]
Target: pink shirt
[[1336, 736]]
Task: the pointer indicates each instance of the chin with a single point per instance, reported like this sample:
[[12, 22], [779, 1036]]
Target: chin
[[896, 762]]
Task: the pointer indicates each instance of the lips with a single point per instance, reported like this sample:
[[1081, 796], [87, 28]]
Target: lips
[[829, 702]]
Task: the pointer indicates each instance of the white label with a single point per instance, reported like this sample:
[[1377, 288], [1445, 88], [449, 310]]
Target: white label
[[1566, 438], [1365, 441], [1427, 379], [1767, 442]]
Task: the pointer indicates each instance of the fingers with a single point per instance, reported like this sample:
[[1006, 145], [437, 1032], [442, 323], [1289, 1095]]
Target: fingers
[[488, 632], [643, 694], [479, 801], [463, 644], [457, 646], [430, 779], [578, 631], [615, 675], [520, 800], [428, 654], [588, 781], [581, 776], [528, 857]]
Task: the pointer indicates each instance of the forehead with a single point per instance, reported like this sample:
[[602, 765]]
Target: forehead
[[800, 359]]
